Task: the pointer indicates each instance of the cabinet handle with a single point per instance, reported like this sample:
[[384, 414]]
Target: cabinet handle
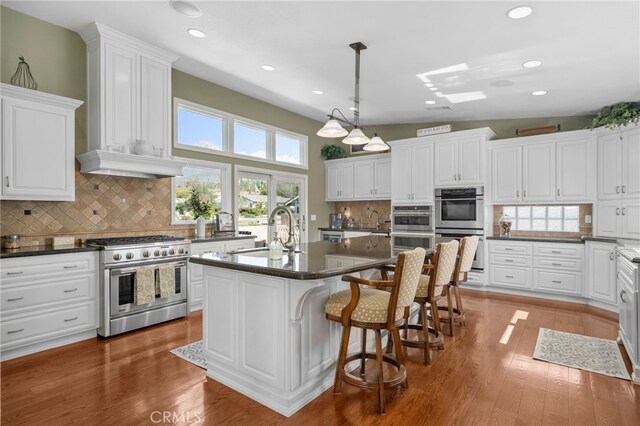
[[71, 291], [624, 189], [375, 191], [459, 176], [556, 282], [558, 192], [6, 179], [371, 191], [622, 293], [508, 276], [70, 319], [15, 331], [517, 193], [624, 211], [70, 266], [618, 189], [524, 193], [618, 211], [455, 176], [509, 260], [556, 251], [556, 264], [611, 255], [15, 299], [15, 273]]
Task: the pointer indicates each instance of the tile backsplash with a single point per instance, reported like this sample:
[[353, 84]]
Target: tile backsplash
[[584, 229], [359, 211], [104, 205]]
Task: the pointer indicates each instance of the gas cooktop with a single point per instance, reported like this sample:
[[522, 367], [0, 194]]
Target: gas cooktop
[[121, 241]]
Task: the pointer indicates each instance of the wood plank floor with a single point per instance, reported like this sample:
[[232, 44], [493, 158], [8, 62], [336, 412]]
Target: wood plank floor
[[485, 375]]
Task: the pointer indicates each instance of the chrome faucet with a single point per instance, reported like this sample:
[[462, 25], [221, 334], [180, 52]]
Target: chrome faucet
[[377, 217], [290, 244]]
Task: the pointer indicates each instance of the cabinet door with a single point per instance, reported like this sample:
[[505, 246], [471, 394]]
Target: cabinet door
[[574, 170], [609, 220], [469, 166], [601, 262], [363, 179], [121, 101], [346, 180], [422, 173], [155, 101], [631, 164], [382, 179], [401, 174], [332, 182], [446, 163], [609, 166], [506, 174], [630, 216], [38, 147], [538, 172]]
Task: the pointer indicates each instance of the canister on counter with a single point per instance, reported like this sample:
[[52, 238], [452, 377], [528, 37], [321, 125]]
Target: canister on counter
[[11, 241]]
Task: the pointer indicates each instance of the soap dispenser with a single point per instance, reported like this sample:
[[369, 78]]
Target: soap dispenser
[[275, 247]]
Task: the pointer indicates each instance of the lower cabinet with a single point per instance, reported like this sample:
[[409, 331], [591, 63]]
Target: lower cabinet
[[47, 301], [196, 276], [601, 272]]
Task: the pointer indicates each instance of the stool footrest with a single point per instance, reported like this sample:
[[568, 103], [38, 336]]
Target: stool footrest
[[434, 342]]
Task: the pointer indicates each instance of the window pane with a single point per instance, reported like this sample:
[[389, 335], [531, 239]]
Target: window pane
[[571, 225], [199, 130], [249, 141], [197, 192], [287, 149], [524, 211], [571, 212], [539, 212], [253, 202], [524, 225], [555, 225], [539, 225], [510, 211], [555, 212]]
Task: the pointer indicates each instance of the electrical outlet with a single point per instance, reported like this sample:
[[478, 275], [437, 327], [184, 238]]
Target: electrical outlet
[[587, 218], [313, 218]]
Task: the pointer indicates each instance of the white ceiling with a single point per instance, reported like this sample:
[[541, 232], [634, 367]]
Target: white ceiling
[[590, 52]]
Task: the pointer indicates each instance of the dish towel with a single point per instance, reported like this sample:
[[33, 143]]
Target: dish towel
[[145, 289], [167, 280]]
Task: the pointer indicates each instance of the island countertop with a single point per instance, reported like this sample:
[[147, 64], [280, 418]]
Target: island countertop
[[313, 260]]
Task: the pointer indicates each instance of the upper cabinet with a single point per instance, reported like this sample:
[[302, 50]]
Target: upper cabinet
[[458, 157], [361, 178], [129, 107], [547, 168], [412, 171], [38, 145]]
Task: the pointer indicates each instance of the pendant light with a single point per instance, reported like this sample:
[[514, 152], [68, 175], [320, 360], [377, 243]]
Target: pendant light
[[333, 128]]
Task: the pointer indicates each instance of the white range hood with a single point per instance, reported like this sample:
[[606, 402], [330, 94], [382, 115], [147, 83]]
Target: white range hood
[[118, 164]]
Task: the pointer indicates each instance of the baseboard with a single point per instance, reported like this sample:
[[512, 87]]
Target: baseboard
[[47, 344]]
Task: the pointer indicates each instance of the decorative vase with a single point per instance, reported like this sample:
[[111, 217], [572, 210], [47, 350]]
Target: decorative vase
[[23, 77], [200, 226], [505, 223]]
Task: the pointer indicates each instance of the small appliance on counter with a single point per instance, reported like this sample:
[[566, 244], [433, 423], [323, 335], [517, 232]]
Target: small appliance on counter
[[223, 225], [335, 221]]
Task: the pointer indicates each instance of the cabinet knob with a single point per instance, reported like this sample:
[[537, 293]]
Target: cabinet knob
[[611, 256], [622, 293], [624, 211], [618, 211], [618, 189], [624, 189]]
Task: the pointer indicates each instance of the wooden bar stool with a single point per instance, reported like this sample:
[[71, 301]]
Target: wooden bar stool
[[466, 254], [377, 310], [428, 292]]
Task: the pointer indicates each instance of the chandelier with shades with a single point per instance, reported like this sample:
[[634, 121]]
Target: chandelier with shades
[[333, 128]]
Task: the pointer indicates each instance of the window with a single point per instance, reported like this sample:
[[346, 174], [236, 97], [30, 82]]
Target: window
[[202, 189], [544, 218], [204, 129]]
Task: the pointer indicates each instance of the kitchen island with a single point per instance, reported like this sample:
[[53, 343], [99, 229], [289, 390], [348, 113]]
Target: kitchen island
[[265, 333]]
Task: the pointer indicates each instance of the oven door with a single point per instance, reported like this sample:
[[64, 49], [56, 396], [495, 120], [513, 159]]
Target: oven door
[[403, 241], [122, 289], [460, 213], [412, 222]]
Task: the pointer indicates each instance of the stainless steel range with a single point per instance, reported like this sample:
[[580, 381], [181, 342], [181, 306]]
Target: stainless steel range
[[120, 260]]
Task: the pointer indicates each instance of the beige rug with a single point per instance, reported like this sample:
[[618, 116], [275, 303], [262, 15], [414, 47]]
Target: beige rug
[[583, 352]]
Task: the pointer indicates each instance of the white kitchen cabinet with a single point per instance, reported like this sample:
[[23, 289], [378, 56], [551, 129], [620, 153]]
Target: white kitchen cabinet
[[47, 301], [629, 316], [458, 157], [339, 180], [382, 178], [38, 145], [412, 172], [619, 164], [630, 216], [538, 172], [618, 218], [601, 271], [196, 271], [446, 163], [510, 264], [364, 178], [506, 176], [574, 169]]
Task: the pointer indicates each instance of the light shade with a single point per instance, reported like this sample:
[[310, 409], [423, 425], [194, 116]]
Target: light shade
[[376, 144], [356, 137], [332, 129]]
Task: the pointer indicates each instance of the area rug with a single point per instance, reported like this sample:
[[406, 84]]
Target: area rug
[[583, 352], [192, 353]]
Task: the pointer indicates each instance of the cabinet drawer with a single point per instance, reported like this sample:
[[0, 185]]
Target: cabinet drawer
[[557, 250], [557, 282], [25, 269], [510, 277], [510, 248], [497, 259], [240, 244], [51, 324], [207, 247], [557, 263], [31, 296]]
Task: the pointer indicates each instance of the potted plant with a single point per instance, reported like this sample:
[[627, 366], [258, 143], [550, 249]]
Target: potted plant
[[331, 152], [617, 115], [201, 207]]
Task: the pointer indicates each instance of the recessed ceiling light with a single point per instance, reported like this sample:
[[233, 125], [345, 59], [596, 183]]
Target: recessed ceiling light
[[532, 64], [318, 92], [353, 108], [196, 33], [433, 89], [429, 102], [268, 67], [186, 8], [429, 84], [519, 12], [539, 92]]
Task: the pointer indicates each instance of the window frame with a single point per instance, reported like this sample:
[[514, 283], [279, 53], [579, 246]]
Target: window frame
[[225, 185], [229, 121]]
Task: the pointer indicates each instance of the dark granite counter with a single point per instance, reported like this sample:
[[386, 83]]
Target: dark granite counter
[[311, 263], [539, 239], [213, 239], [371, 230], [44, 250]]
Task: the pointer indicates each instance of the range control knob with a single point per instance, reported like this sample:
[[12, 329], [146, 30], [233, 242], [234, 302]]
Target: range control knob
[[156, 253], [146, 253], [180, 251], [172, 251], [164, 252], [117, 256], [129, 256]]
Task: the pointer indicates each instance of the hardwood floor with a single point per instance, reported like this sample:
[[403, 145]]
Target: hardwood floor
[[484, 376]]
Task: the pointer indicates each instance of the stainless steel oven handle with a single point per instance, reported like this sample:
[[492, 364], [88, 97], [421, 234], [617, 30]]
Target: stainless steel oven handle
[[462, 199], [124, 270]]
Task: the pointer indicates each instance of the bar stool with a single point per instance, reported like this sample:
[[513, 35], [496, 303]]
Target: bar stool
[[466, 254], [428, 292], [377, 310]]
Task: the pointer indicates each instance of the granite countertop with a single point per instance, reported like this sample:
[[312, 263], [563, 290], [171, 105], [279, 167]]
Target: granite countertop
[[371, 230], [370, 251], [540, 239], [210, 239], [44, 250]]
